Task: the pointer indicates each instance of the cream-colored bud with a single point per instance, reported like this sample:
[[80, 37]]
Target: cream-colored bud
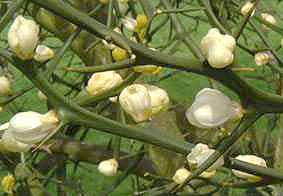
[[113, 99], [211, 108], [5, 86], [108, 167], [23, 37], [32, 127], [135, 100], [219, 56], [181, 175], [262, 58], [129, 23], [209, 39], [199, 154], [246, 8], [253, 160], [43, 53], [41, 96], [101, 82], [13, 145], [268, 18], [159, 99]]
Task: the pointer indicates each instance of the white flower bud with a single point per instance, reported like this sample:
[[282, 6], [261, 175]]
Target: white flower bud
[[181, 175], [23, 37], [43, 53], [218, 48], [129, 23], [253, 160], [103, 81], [135, 100], [108, 167], [199, 154], [5, 86], [246, 8], [211, 108], [262, 58], [268, 18], [13, 145], [113, 99], [159, 99], [32, 127], [41, 96]]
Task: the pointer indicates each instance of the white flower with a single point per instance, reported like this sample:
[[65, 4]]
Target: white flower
[[43, 53], [211, 108], [28, 128], [103, 81], [199, 154], [108, 167], [23, 37], [262, 58], [218, 48], [246, 8], [5, 86], [181, 175], [129, 23], [253, 160], [159, 98], [135, 100], [268, 18]]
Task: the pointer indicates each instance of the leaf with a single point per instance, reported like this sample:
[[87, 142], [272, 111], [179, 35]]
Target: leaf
[[166, 162]]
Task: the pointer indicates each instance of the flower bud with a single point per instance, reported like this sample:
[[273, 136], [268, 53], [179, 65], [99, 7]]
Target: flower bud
[[141, 22], [119, 54], [218, 48], [43, 53], [41, 96], [262, 58], [129, 23], [5, 86], [23, 37], [12, 145], [8, 183], [199, 154], [103, 81], [181, 175], [268, 18], [211, 108], [123, 6], [135, 100], [253, 160], [159, 99], [113, 99], [32, 127], [246, 8], [108, 167], [148, 69]]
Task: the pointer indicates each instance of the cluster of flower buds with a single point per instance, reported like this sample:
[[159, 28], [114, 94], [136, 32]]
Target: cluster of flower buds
[[103, 81], [218, 48], [247, 8], [143, 101], [198, 155], [263, 58], [268, 18], [28, 128], [5, 86], [23, 37], [8, 183], [253, 160], [211, 108], [108, 167]]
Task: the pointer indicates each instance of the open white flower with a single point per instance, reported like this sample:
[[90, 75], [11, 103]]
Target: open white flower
[[23, 37], [28, 128], [246, 8], [108, 167], [262, 58], [211, 108], [103, 81], [43, 53], [218, 48], [253, 160], [159, 98], [199, 154], [135, 100], [268, 18], [181, 175], [5, 86]]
